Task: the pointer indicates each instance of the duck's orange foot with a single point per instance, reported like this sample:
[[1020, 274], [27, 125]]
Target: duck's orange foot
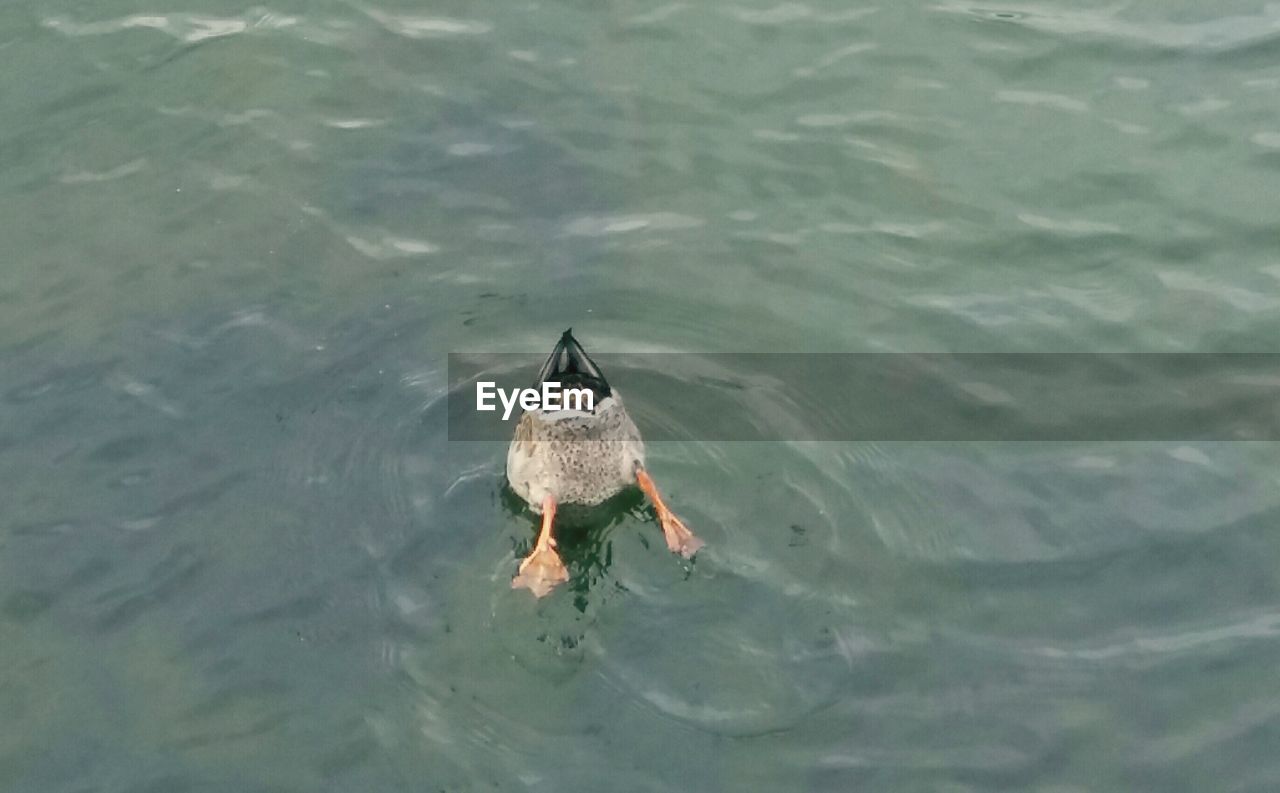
[[679, 539], [541, 572]]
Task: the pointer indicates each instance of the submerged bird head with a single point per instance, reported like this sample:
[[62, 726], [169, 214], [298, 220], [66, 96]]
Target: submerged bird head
[[571, 367]]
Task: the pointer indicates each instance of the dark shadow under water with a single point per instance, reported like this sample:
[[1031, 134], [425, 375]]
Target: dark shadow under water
[[582, 535]]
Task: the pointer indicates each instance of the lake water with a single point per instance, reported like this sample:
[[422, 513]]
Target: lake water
[[239, 553]]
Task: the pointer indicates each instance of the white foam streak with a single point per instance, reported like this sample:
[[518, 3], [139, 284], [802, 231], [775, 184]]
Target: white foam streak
[[422, 27], [190, 28]]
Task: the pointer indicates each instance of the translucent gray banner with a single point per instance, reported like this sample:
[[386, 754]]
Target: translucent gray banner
[[906, 396]]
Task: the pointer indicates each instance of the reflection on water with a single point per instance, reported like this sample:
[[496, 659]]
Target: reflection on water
[[238, 550]]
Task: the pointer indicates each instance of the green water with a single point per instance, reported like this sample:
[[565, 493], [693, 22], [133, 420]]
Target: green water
[[238, 553]]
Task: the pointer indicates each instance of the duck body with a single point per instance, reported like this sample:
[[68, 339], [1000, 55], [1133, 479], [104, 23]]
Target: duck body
[[573, 456], [583, 455]]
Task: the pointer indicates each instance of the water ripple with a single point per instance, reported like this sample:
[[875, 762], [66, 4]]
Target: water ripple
[[1256, 627], [597, 226], [1220, 34], [190, 28], [118, 172], [423, 27], [1043, 99]]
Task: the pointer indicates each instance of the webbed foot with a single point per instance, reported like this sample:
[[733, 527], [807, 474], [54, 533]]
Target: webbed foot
[[679, 539], [542, 571]]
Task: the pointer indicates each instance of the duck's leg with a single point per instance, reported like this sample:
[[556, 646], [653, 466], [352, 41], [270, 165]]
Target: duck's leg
[[679, 539], [542, 569]]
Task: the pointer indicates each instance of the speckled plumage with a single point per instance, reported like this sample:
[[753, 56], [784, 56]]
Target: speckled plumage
[[578, 457]]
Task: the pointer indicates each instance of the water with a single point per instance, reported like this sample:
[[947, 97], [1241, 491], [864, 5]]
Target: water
[[237, 551]]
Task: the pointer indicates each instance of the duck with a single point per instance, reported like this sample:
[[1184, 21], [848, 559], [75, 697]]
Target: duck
[[582, 456]]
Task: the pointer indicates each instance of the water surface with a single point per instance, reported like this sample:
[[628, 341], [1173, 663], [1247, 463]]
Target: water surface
[[238, 552]]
